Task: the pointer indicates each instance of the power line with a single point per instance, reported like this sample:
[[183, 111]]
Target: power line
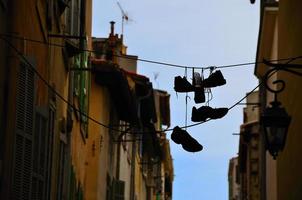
[[104, 125], [53, 90], [238, 102], [150, 61], [65, 100]]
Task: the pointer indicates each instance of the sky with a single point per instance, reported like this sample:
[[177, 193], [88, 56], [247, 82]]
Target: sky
[[194, 33]]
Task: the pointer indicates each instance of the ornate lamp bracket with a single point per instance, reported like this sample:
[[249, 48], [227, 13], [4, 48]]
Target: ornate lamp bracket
[[279, 67]]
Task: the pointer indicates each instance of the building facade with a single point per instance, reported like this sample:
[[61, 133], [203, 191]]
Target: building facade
[[246, 169], [279, 42], [279, 38], [78, 121]]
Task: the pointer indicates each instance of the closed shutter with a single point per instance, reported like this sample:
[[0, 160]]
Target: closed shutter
[[40, 147], [24, 134]]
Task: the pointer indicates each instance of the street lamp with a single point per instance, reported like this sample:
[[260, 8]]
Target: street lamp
[[275, 121]]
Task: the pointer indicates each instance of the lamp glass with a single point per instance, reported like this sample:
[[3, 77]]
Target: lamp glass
[[276, 122]]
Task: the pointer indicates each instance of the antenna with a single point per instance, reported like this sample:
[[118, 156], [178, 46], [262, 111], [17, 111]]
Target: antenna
[[124, 16]]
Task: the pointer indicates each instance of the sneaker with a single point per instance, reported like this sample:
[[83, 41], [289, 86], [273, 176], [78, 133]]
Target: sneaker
[[215, 79], [205, 112], [201, 114], [191, 145], [219, 113], [177, 135], [181, 84], [182, 137]]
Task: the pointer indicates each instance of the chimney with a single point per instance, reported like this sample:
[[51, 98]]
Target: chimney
[[112, 28]]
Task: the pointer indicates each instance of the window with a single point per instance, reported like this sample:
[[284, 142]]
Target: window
[[23, 146], [72, 17], [40, 155], [32, 142], [81, 90]]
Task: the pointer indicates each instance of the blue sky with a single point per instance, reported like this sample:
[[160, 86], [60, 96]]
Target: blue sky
[[194, 33]]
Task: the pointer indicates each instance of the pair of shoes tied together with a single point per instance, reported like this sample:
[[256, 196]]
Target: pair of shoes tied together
[[182, 137], [181, 84], [205, 112]]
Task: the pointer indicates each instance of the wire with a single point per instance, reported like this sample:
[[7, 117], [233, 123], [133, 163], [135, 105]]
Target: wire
[[238, 102], [54, 91], [150, 61], [65, 100], [110, 128]]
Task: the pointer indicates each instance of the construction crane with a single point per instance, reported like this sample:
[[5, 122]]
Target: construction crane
[[125, 16]]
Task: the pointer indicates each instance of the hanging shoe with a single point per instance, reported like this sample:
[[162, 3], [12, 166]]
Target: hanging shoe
[[215, 79], [201, 114], [205, 112], [193, 146], [177, 135], [188, 143], [219, 113], [181, 84]]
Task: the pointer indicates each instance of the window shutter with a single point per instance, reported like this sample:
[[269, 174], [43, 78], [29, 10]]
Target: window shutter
[[24, 134], [40, 148], [84, 87]]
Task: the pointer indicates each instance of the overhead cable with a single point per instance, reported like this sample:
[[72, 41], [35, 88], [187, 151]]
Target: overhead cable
[[149, 61], [102, 124]]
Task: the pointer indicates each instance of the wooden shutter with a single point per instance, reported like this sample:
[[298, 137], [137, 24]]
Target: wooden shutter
[[24, 134], [40, 148]]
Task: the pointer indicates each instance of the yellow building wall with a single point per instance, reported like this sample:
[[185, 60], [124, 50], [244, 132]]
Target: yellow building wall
[[289, 163], [271, 164], [90, 155], [140, 182]]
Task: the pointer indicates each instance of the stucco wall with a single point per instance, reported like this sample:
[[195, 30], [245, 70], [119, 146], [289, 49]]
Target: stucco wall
[[289, 162], [95, 165]]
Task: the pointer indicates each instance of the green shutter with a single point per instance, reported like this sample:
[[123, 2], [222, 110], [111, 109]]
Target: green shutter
[[82, 88], [82, 82]]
